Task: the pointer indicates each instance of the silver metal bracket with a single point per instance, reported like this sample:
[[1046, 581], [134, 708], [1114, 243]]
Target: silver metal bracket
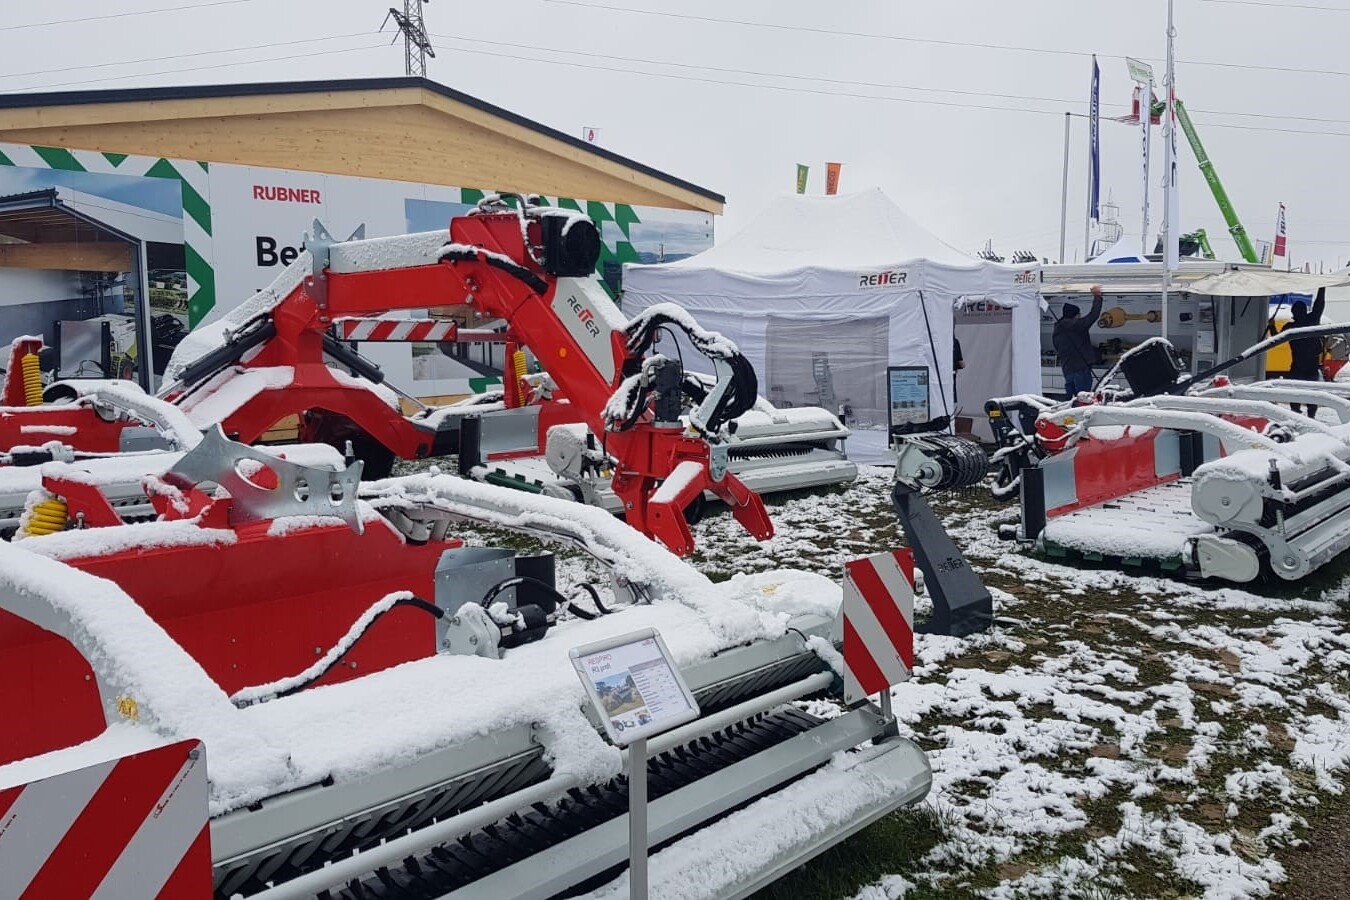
[[719, 460], [298, 491]]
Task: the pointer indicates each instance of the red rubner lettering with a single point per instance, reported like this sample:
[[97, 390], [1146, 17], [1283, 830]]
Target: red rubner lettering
[[286, 194]]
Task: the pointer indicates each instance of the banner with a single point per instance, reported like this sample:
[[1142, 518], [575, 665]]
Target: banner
[[1280, 236], [832, 177], [802, 172], [1095, 142], [590, 135]]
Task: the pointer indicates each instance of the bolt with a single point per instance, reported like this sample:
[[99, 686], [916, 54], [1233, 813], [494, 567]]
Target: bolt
[[195, 753], [318, 651], [353, 665], [473, 639], [1226, 501]]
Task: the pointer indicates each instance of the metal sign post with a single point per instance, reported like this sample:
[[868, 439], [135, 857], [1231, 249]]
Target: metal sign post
[[637, 691]]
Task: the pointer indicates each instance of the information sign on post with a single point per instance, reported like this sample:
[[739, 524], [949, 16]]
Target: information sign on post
[[907, 395], [637, 691]]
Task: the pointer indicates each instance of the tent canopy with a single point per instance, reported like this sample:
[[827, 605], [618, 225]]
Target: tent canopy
[[1264, 283], [822, 294]]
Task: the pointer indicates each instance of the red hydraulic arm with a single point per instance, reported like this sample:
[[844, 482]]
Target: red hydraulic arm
[[580, 343]]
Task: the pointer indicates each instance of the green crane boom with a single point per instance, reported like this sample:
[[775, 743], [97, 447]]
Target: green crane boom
[[1244, 243]]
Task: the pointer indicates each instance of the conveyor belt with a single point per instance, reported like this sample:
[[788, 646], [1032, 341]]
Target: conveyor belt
[[451, 866], [1150, 524]]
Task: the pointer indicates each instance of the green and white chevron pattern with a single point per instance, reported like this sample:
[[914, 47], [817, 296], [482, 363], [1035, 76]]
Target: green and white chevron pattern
[[193, 176]]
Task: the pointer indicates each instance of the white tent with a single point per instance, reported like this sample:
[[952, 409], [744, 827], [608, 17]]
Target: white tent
[[823, 293]]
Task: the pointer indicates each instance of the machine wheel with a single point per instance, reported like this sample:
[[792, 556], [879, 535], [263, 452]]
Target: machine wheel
[[693, 513], [337, 431]]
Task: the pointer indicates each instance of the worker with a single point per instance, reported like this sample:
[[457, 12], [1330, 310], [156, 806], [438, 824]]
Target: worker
[[1306, 353], [1073, 344]]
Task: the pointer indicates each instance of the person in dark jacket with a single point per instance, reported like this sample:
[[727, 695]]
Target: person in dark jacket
[[1306, 353], [1073, 344]]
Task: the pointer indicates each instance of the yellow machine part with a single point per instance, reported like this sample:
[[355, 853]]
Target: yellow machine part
[[32, 379], [46, 517], [1279, 359]]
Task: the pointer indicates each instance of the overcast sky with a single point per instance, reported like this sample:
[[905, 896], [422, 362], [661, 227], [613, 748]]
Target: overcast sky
[[956, 109]]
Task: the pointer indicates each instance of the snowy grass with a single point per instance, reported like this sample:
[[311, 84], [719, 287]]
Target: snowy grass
[[1124, 735]]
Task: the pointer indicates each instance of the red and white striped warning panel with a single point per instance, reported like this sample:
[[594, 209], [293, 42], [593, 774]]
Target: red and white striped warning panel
[[878, 623], [359, 329], [130, 827]]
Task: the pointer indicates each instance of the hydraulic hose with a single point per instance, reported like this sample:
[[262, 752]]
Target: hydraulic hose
[[284, 687]]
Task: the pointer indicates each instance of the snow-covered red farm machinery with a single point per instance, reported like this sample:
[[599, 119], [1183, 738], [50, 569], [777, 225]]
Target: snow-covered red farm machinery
[[248, 671], [279, 355], [385, 712], [1214, 478]]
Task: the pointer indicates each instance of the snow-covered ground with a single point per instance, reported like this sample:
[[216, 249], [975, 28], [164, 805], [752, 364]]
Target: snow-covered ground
[[1119, 736]]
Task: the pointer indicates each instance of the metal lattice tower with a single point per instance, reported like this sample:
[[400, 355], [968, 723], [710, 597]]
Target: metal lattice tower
[[416, 44]]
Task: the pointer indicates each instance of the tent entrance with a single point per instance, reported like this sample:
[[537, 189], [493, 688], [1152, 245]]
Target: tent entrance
[[830, 362], [983, 328]]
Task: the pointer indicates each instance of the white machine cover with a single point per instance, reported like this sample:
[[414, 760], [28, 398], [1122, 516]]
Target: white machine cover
[[848, 284]]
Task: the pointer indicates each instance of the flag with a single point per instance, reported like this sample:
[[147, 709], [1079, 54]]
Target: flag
[[1172, 198], [1280, 235], [832, 177], [802, 172], [1141, 73], [1094, 141], [590, 135]]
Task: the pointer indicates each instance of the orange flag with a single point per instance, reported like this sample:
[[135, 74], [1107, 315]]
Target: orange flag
[[832, 177]]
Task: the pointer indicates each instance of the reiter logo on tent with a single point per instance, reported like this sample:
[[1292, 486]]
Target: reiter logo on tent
[[888, 278]]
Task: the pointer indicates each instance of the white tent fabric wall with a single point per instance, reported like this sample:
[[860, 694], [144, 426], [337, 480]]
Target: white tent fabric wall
[[823, 293]]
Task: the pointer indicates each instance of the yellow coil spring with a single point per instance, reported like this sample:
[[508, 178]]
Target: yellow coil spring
[[47, 517], [32, 379], [518, 363]]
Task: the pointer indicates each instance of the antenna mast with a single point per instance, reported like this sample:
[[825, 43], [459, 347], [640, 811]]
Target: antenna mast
[[416, 45]]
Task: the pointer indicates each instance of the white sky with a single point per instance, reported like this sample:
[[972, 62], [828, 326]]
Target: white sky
[[909, 126]]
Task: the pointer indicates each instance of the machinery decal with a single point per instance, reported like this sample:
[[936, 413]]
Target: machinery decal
[[358, 329], [878, 623], [135, 826]]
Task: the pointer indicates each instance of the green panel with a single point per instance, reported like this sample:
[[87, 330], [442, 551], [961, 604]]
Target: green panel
[[194, 204], [624, 252], [200, 303], [568, 203], [624, 216], [5, 160], [482, 385], [115, 158], [205, 166], [58, 158], [470, 195], [598, 212]]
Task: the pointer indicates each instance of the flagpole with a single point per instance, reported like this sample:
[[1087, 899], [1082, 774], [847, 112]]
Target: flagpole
[[1064, 194], [1093, 138], [1169, 186]]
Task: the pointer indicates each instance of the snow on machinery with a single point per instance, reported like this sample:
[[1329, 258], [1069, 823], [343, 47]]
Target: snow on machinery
[[387, 713], [1216, 479], [270, 359]]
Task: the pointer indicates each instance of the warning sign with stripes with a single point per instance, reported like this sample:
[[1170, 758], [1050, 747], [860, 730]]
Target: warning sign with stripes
[[878, 623], [130, 827], [358, 329]]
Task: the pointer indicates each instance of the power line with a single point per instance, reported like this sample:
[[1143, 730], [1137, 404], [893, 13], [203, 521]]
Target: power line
[[847, 94], [1012, 48], [136, 62], [246, 62], [870, 84], [123, 15], [1341, 9]]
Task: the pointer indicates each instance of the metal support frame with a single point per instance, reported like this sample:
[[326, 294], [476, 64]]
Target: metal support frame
[[962, 605]]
